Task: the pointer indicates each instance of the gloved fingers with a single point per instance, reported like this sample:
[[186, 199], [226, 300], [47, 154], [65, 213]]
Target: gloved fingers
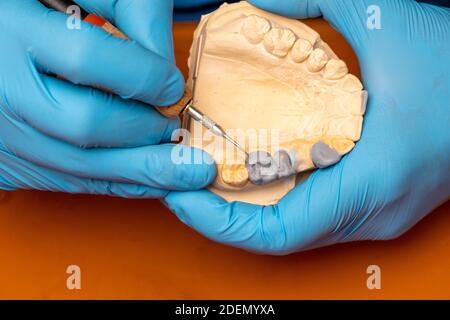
[[246, 226], [189, 4], [17, 173], [262, 229], [90, 56], [147, 22], [157, 166], [299, 9], [89, 117]]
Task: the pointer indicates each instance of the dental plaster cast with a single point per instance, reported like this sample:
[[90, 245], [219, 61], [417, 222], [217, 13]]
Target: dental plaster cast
[[280, 91]]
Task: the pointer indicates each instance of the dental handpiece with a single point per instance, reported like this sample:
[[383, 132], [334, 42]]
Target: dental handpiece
[[210, 124]]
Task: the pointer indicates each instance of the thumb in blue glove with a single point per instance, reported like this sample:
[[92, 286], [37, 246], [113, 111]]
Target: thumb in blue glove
[[63, 135], [400, 169]]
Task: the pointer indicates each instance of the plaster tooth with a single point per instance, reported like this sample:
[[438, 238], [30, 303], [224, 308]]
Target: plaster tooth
[[349, 128], [279, 41], [354, 103], [342, 145], [301, 50], [350, 83], [335, 69], [317, 60], [254, 28], [235, 175]]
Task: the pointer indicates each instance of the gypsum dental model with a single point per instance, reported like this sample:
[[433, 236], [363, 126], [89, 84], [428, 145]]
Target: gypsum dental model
[[261, 72]]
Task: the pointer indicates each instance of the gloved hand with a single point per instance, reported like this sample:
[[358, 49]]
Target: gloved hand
[[63, 135], [400, 169]]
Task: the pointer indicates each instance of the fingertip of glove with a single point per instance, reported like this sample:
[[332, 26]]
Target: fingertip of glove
[[173, 124], [204, 169], [290, 8], [173, 89], [173, 201], [189, 207], [194, 168]]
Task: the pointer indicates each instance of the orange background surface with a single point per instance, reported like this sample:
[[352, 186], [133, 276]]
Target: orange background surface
[[136, 249]]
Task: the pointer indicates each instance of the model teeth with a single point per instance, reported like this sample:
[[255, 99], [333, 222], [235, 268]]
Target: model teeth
[[335, 69], [350, 83], [355, 103], [317, 60], [235, 175], [279, 41], [349, 128], [301, 50], [299, 108], [342, 145], [254, 28]]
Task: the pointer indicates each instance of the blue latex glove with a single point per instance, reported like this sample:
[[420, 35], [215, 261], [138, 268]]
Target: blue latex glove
[[400, 169], [189, 4], [191, 10], [63, 135]]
